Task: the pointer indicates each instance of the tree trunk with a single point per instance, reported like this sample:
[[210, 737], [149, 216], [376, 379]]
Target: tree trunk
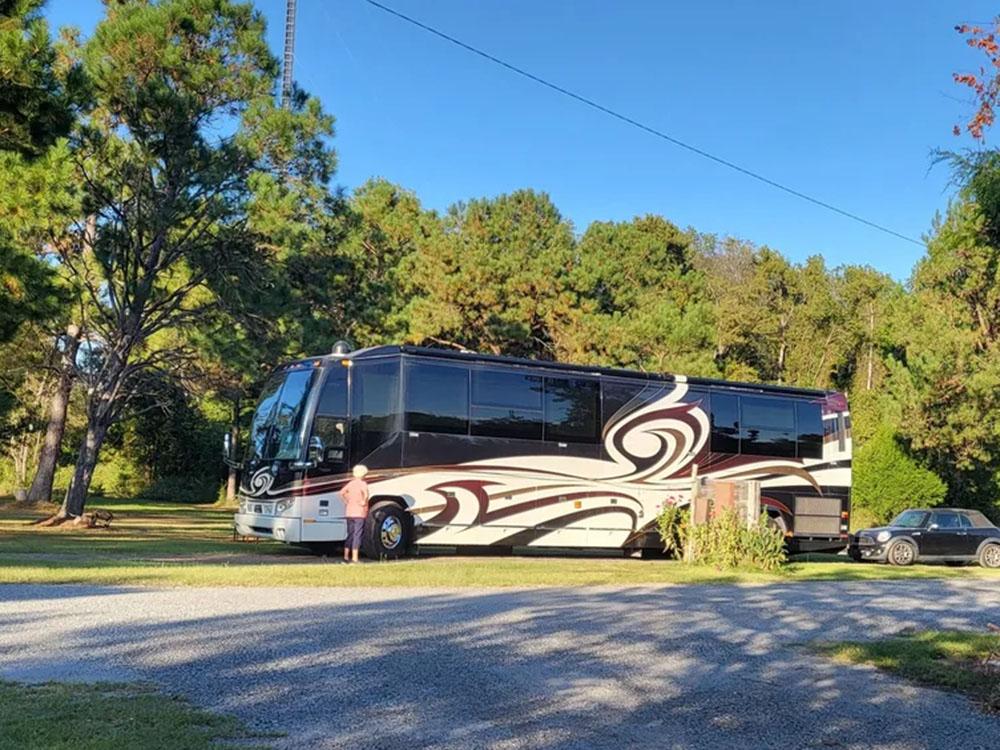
[[234, 430], [90, 448], [41, 487]]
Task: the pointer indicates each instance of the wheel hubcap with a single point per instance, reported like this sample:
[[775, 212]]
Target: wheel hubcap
[[991, 555], [903, 553], [391, 532]]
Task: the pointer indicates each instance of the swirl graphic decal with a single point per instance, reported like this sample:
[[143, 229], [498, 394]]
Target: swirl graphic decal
[[260, 483]]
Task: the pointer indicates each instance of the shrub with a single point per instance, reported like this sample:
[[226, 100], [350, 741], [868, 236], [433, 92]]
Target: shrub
[[672, 524], [181, 489], [887, 480], [725, 541]]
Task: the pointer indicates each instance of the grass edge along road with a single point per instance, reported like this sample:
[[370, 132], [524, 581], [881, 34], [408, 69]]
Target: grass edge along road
[[101, 716], [173, 544], [949, 660]]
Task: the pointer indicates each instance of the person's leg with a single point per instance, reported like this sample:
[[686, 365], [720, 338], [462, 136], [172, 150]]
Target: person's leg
[[349, 541]]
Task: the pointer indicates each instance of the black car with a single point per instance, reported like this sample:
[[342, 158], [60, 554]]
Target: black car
[[950, 535]]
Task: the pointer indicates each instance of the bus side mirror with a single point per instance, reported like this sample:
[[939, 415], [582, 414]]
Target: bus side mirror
[[317, 449], [229, 452]]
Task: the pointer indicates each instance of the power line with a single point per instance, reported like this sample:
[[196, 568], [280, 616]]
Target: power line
[[635, 123]]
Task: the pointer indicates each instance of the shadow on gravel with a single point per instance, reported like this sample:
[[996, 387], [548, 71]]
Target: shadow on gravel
[[679, 667]]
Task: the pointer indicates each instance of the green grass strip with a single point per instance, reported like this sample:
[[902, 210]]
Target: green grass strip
[[108, 716], [951, 660]]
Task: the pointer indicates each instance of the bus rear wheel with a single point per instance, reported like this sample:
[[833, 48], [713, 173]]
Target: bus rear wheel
[[388, 532]]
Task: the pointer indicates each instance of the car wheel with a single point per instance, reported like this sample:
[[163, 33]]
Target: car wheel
[[388, 532], [989, 557], [901, 553]]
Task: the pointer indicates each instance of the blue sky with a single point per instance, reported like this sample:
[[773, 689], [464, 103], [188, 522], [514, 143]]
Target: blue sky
[[844, 101]]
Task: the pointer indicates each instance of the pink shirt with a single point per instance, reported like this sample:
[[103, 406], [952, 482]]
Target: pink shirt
[[355, 497]]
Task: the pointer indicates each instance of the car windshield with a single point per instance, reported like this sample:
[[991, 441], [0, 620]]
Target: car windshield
[[276, 429], [910, 519]]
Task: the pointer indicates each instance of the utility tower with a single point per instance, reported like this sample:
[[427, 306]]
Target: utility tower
[[286, 73]]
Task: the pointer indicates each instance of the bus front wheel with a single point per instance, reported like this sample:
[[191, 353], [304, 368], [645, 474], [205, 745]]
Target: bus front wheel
[[388, 532]]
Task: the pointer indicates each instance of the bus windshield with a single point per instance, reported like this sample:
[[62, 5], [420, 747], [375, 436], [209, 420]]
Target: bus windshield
[[277, 424]]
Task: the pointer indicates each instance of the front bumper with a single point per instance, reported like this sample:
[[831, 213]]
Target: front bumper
[[269, 527], [867, 551]]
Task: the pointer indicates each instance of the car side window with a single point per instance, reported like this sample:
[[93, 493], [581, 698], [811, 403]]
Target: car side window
[[945, 520], [964, 522]]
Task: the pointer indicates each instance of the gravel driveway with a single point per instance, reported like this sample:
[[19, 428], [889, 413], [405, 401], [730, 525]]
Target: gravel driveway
[[671, 667]]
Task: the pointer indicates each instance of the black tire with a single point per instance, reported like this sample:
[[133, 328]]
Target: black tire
[[388, 532], [989, 556], [901, 553]]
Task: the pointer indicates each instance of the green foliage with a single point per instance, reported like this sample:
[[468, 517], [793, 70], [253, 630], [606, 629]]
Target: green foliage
[[37, 91], [27, 289], [494, 280], [637, 300], [725, 541], [180, 489], [672, 526], [887, 480]]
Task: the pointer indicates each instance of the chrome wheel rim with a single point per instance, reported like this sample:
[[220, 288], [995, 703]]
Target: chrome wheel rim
[[991, 556], [902, 554], [391, 532]]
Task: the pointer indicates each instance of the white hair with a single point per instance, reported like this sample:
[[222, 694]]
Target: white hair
[[360, 471]]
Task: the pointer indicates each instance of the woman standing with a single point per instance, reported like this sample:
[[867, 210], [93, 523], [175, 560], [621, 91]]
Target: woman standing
[[355, 497]]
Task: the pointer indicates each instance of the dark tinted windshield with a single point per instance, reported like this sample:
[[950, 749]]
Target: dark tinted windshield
[[277, 423], [910, 519]]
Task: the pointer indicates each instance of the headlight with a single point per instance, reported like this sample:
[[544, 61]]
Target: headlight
[[883, 536], [282, 505]]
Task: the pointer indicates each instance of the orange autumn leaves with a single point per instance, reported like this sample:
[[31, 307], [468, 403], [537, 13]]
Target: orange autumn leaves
[[986, 83]]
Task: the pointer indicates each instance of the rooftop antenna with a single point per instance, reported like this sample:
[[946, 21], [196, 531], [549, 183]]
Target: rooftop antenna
[[286, 73]]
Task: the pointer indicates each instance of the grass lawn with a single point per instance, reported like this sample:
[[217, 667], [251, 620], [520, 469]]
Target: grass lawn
[[75, 716], [162, 544], [951, 660]]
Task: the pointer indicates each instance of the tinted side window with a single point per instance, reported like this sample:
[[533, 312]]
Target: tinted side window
[[725, 411], [767, 426], [572, 406], [978, 520], [616, 396], [437, 398], [375, 406], [506, 403], [333, 399], [945, 520], [495, 421], [506, 388], [330, 422], [809, 421]]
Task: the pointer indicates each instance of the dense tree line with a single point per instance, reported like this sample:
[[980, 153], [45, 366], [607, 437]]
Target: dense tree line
[[168, 233]]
